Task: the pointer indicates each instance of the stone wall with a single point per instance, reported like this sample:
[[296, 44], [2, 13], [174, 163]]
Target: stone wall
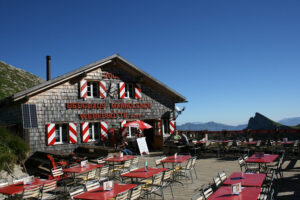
[[51, 106]]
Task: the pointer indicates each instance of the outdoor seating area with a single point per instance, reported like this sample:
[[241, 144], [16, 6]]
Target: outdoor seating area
[[139, 177]]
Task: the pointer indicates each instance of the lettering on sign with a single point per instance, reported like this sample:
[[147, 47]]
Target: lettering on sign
[[91, 116], [85, 105], [110, 76], [131, 105]]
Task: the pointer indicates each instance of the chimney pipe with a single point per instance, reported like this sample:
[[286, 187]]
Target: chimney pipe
[[48, 58]]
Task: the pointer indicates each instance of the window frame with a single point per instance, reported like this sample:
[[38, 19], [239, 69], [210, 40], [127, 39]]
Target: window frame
[[90, 89], [59, 131], [164, 133], [92, 128], [127, 91]]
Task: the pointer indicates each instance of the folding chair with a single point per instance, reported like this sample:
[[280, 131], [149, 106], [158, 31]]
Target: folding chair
[[206, 191], [30, 192], [123, 195], [76, 191], [48, 190], [217, 182], [222, 176], [168, 180], [135, 162], [136, 193], [104, 173], [90, 185], [154, 186]]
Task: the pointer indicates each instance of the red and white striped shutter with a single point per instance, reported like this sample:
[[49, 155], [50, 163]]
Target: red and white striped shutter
[[122, 90], [83, 88], [138, 91], [123, 129], [172, 126], [85, 132], [50, 134], [73, 133], [104, 131], [102, 89]]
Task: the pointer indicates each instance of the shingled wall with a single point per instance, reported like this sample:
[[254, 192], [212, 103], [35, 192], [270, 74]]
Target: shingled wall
[[51, 106]]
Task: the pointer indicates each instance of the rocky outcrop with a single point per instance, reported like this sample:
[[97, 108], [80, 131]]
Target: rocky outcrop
[[260, 122]]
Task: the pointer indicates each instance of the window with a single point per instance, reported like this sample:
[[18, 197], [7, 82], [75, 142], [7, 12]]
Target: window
[[165, 127], [92, 89], [129, 91], [132, 132], [94, 129], [61, 133]]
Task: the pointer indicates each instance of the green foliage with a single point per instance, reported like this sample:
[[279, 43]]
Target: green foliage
[[13, 80], [13, 149]]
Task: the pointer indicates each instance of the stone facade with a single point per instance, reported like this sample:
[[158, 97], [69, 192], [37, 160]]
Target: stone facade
[[51, 106]]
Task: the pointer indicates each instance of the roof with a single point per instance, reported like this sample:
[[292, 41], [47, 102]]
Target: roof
[[178, 98]]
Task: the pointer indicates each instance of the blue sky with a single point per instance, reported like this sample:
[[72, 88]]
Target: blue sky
[[229, 58]]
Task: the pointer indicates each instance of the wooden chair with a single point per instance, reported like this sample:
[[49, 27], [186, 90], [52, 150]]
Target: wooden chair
[[48, 190], [104, 173], [217, 182], [76, 191], [158, 162], [155, 185], [91, 175], [135, 162], [198, 196], [222, 176], [90, 185], [168, 180], [136, 193], [123, 195], [206, 191], [30, 192], [58, 174], [3, 183], [183, 171]]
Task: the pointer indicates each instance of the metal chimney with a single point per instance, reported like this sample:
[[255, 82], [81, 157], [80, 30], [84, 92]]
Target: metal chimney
[[48, 58]]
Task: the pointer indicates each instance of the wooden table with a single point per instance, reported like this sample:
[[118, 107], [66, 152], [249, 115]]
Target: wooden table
[[142, 174], [246, 179], [225, 193], [100, 194], [19, 187]]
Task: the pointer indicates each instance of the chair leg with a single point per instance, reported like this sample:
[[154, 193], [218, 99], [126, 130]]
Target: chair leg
[[195, 173], [191, 176], [171, 190]]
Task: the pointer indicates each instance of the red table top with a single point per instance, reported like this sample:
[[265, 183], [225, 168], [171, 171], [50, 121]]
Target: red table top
[[180, 159], [253, 142], [119, 159], [246, 179], [18, 187], [267, 158], [199, 142], [225, 193], [101, 194], [140, 173], [79, 169], [221, 141]]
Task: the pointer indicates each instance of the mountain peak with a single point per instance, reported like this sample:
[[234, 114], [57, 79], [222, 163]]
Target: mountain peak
[[259, 122]]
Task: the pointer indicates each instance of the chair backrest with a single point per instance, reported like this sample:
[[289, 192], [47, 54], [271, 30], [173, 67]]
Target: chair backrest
[[189, 164], [123, 195], [136, 193], [206, 191], [229, 144], [100, 160], [49, 186], [217, 181], [58, 172], [157, 180], [258, 143], [194, 159], [104, 171], [168, 175], [135, 161], [90, 185], [158, 162], [271, 195], [127, 163], [222, 176], [31, 192], [18, 180], [76, 191], [207, 143], [3, 182], [91, 174]]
